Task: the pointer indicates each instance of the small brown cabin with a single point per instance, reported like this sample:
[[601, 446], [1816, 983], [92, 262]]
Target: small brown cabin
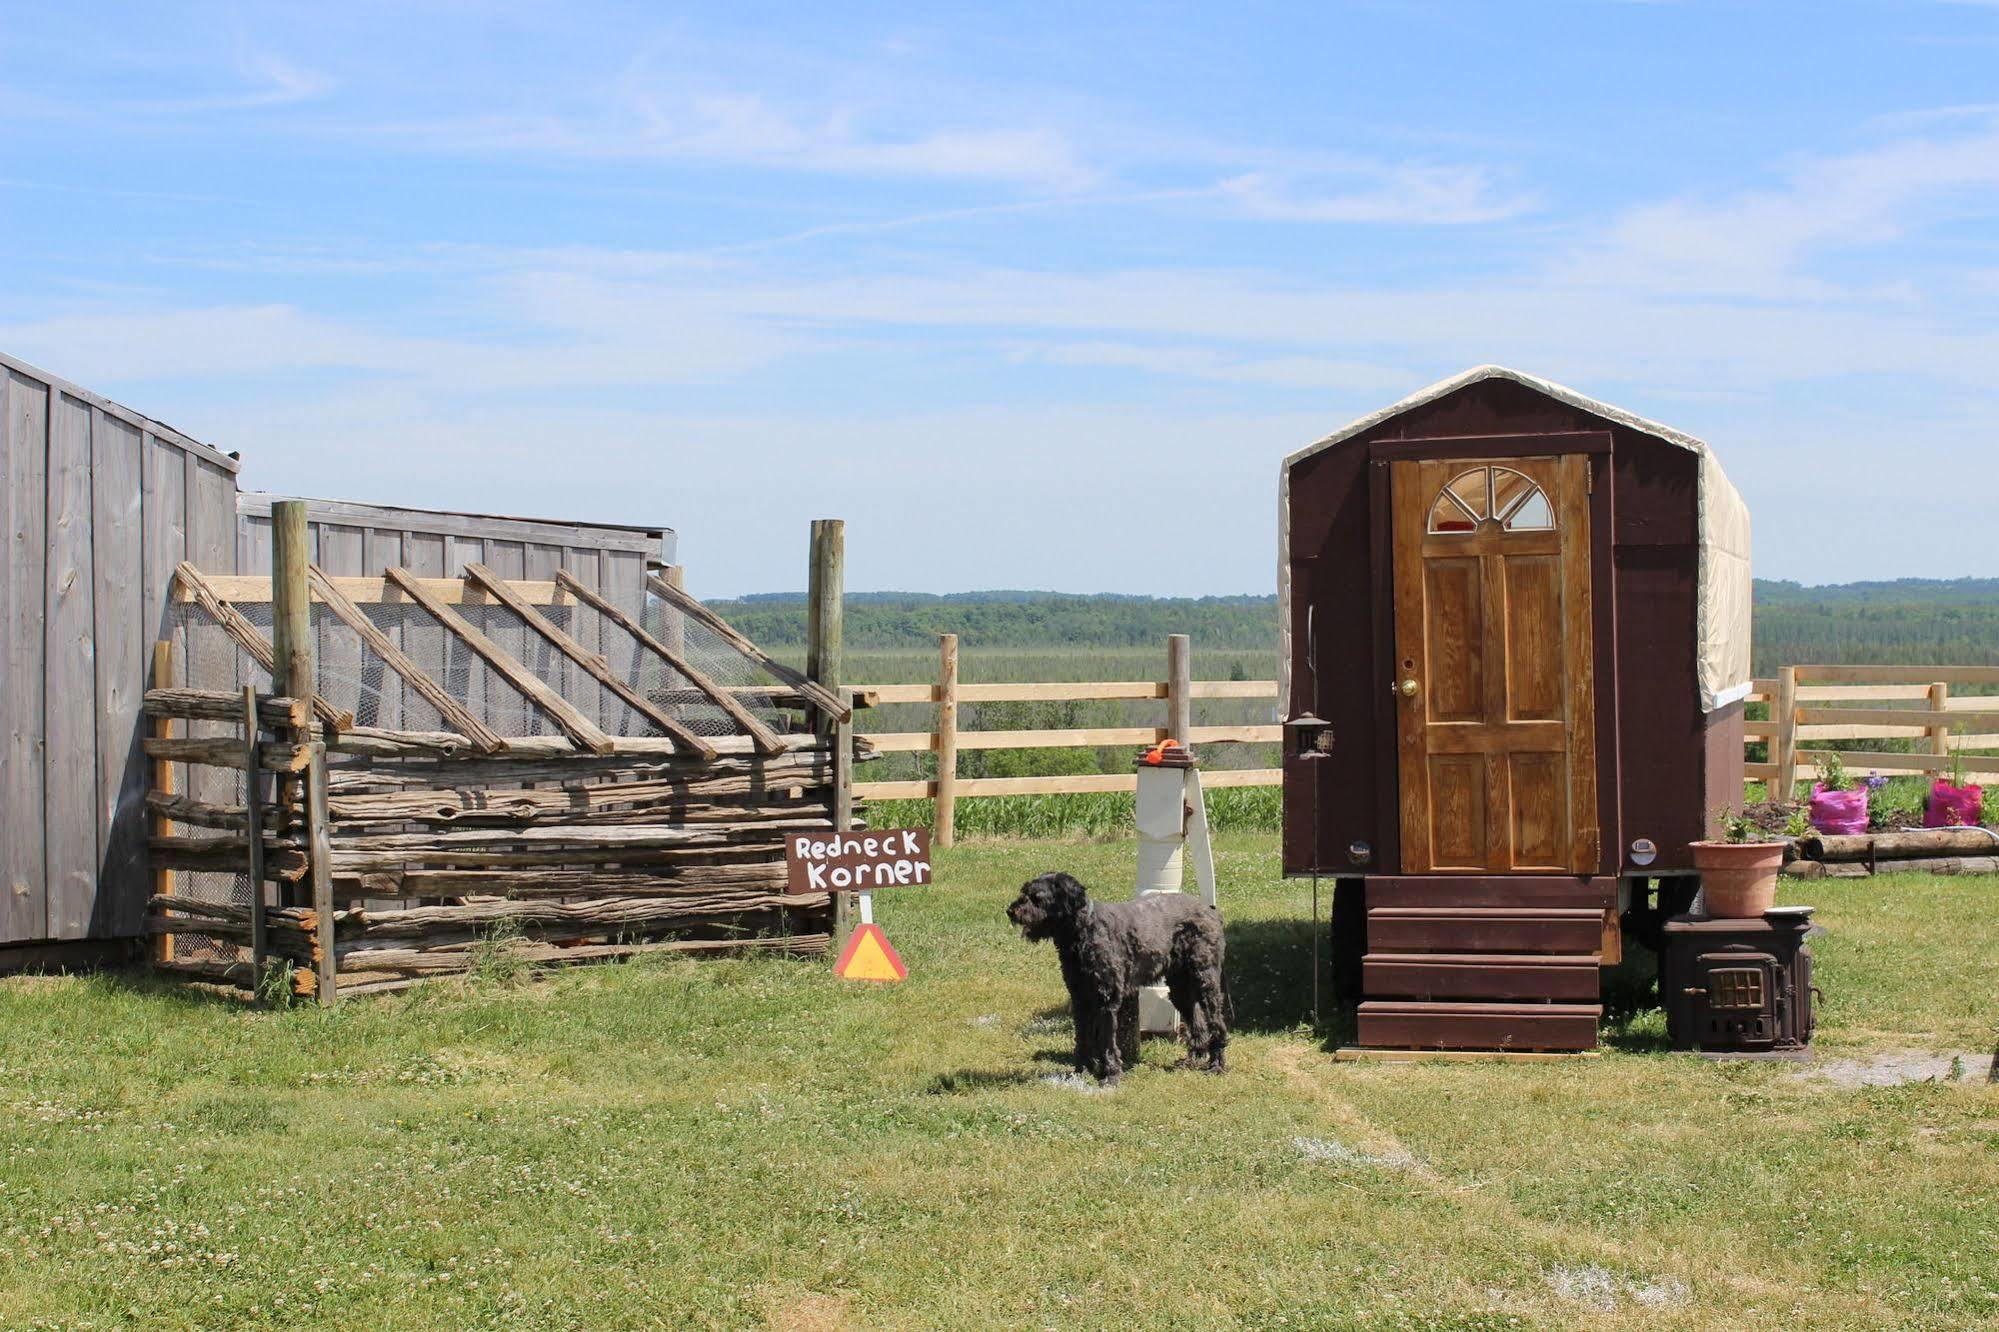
[[1523, 616]]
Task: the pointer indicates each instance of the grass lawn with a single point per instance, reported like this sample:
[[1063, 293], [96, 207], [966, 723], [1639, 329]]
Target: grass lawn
[[667, 1144]]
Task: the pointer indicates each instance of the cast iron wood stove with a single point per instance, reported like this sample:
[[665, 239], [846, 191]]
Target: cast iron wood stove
[[1740, 987]]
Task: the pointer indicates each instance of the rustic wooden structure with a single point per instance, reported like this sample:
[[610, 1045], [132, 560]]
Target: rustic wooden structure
[[101, 504], [1523, 615], [647, 814]]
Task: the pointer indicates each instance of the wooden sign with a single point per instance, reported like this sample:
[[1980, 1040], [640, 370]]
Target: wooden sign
[[818, 862], [869, 957]]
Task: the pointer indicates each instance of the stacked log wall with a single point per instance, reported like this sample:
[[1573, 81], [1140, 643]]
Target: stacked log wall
[[436, 850]]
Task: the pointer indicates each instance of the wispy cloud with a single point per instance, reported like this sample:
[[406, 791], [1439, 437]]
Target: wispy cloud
[[262, 78], [1758, 242], [1429, 195]]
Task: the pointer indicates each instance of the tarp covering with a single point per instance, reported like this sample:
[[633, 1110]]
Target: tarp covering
[[1721, 623]]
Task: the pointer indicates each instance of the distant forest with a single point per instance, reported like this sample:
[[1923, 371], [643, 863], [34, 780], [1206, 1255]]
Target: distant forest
[[1954, 622]]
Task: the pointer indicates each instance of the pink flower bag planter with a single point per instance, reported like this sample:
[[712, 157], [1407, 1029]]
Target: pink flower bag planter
[[1950, 806], [1838, 811]]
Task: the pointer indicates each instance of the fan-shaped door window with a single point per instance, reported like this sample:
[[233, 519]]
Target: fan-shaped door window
[[1490, 495]]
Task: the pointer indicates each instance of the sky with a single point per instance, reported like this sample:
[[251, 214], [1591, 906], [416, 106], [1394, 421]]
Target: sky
[[1032, 296]]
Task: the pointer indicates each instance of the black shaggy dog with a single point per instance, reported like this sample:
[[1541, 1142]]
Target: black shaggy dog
[[1110, 949]]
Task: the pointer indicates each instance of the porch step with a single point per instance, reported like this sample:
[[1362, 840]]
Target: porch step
[[1490, 890], [1454, 929], [1407, 1024], [1488, 976]]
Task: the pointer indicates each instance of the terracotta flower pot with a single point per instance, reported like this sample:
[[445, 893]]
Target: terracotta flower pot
[[1738, 879]]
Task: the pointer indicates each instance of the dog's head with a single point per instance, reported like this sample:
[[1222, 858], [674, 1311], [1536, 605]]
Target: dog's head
[[1048, 906]]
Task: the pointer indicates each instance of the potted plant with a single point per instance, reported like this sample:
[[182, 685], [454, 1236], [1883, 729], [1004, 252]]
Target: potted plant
[[1739, 869], [1839, 804], [1954, 802]]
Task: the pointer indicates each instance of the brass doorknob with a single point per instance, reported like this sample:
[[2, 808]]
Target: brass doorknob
[[1409, 688]]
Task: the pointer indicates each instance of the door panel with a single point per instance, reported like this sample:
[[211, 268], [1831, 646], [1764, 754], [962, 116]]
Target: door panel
[[1455, 598], [1494, 657]]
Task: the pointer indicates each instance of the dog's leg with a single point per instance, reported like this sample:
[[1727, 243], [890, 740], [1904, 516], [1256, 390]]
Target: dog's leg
[[1180, 987], [1213, 1003], [1110, 1023]]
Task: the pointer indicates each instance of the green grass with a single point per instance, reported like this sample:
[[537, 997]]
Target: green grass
[[743, 1143]]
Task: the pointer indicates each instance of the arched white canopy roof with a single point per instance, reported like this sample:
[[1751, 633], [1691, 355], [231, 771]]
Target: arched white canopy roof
[[1722, 533]]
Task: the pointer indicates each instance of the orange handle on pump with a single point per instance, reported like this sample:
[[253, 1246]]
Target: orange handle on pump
[[1157, 754]]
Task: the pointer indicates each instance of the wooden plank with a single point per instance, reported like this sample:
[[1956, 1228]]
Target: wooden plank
[[1356, 1054], [815, 694], [1404, 1023], [70, 809], [221, 705], [119, 610], [1483, 930], [455, 714], [1925, 675], [1921, 719], [248, 636], [1087, 783], [440, 523], [1863, 763], [319, 857], [1494, 976], [573, 723], [1784, 747], [593, 664], [765, 739], [1852, 693], [369, 590], [164, 787], [1508, 890], [891, 742], [253, 829], [24, 456]]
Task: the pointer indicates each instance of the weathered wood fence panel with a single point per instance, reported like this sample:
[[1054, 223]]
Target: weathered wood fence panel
[[101, 503]]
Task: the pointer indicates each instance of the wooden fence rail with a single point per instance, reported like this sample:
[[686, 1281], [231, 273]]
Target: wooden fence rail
[[1812, 708], [947, 739]]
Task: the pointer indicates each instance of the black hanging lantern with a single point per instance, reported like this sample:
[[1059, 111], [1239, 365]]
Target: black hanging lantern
[[1311, 737]]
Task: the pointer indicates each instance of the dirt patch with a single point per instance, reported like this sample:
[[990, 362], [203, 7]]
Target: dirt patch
[[1896, 1068]]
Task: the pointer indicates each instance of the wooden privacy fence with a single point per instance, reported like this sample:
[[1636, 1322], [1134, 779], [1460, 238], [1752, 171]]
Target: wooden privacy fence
[[1177, 691], [1814, 708]]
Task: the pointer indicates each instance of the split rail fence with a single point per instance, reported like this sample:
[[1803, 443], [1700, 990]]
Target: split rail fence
[[1812, 709], [1178, 691]]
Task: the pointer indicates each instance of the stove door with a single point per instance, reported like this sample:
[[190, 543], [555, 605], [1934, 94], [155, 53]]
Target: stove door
[[1736, 998]]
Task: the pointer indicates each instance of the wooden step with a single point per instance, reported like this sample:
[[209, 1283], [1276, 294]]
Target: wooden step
[[1489, 890], [1572, 930], [1407, 1024], [1481, 976]]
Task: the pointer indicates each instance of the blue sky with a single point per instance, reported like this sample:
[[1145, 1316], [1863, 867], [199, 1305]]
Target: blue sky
[[1003, 286]]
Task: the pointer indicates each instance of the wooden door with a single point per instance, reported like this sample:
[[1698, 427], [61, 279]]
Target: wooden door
[[1494, 678]]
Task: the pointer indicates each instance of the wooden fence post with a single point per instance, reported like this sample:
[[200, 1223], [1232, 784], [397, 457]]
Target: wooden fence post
[[947, 739], [291, 602], [253, 835], [1940, 725], [1784, 744], [163, 782], [1179, 688], [825, 615]]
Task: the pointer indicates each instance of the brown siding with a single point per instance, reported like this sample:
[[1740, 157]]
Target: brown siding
[[1661, 761]]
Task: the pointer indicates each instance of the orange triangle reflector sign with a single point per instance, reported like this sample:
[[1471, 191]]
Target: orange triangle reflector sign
[[869, 957]]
